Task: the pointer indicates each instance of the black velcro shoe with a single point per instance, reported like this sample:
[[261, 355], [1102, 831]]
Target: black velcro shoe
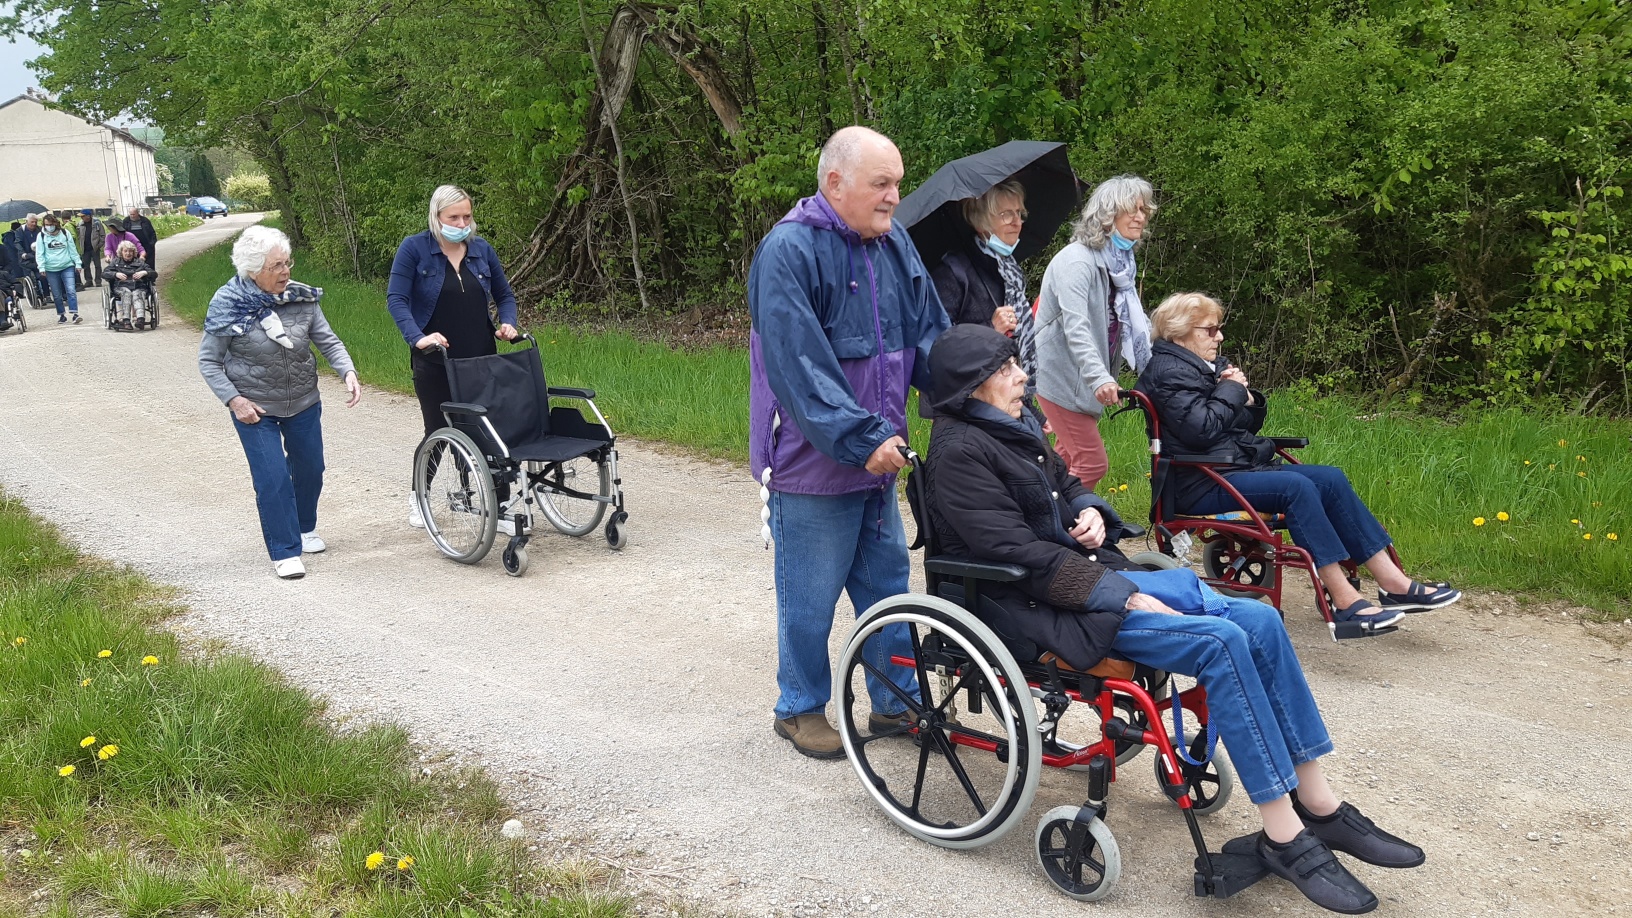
[[1349, 831], [1308, 864]]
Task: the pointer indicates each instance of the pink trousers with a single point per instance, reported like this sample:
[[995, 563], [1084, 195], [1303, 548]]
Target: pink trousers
[[1077, 440]]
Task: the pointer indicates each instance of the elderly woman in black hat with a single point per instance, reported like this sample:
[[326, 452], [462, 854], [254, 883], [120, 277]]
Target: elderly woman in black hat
[[998, 494]]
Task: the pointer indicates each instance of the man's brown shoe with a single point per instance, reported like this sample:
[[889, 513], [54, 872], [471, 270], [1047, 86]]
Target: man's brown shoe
[[812, 735]]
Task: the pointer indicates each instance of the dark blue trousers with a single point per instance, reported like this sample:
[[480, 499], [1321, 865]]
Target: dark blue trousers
[[1322, 511], [286, 462]]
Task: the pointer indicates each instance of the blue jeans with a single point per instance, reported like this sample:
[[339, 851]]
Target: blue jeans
[[1241, 655], [1322, 511], [286, 484], [62, 288], [825, 544]]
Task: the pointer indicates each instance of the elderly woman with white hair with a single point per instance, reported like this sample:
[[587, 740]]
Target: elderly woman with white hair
[[1089, 321], [257, 357], [442, 284], [979, 281]]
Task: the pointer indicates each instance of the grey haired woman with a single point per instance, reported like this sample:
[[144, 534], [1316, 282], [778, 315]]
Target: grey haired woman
[[1089, 320], [979, 280], [257, 358]]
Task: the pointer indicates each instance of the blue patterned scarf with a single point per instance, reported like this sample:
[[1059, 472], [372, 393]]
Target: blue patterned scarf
[[240, 305]]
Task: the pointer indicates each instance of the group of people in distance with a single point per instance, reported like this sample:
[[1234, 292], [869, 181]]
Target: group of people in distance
[[65, 258], [846, 318]]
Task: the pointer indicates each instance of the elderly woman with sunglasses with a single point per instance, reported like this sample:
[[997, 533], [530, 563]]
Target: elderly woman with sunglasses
[[1206, 406], [979, 280]]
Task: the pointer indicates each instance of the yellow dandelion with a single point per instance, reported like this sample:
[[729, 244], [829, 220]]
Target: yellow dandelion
[[104, 654], [375, 860], [1563, 443], [87, 741], [150, 660], [107, 752], [1527, 462], [65, 770], [1580, 474], [1123, 488], [1502, 516], [19, 641], [1580, 458], [1552, 466], [404, 862], [84, 682], [1587, 536], [1478, 521], [1575, 522], [1612, 537]]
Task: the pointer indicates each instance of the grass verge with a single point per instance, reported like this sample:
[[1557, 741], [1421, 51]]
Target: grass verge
[[1563, 482], [171, 224], [137, 779]]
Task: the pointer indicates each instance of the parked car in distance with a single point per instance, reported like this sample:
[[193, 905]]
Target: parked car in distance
[[205, 207]]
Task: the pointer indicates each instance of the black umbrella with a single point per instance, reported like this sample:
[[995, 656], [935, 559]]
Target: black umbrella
[[17, 210], [933, 214]]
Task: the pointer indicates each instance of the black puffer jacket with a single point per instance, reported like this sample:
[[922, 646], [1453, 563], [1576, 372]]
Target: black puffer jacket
[[1203, 415], [998, 494], [970, 286]]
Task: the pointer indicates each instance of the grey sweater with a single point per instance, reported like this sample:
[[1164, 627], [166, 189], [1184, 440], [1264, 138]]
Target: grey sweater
[[283, 381], [1073, 330]]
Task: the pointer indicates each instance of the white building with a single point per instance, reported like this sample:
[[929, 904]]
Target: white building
[[66, 162]]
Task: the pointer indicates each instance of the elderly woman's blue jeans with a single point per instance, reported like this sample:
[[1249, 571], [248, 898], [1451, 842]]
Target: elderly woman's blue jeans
[[1323, 513], [1241, 655], [286, 462]]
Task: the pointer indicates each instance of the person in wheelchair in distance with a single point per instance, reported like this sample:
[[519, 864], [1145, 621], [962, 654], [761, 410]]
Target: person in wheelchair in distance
[[130, 280], [1206, 407], [998, 494]]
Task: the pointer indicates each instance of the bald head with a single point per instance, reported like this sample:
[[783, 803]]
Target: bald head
[[859, 173]]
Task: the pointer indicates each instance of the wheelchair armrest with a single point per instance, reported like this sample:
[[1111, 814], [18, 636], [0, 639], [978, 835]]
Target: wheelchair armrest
[[570, 392], [1290, 442], [1214, 459], [954, 567], [464, 408], [1133, 530]]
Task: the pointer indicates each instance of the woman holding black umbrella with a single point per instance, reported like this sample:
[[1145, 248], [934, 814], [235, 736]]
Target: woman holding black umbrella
[[979, 281]]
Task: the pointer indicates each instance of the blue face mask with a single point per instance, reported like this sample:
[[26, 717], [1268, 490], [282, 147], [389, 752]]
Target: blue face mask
[[1117, 240], [455, 233], [997, 245]]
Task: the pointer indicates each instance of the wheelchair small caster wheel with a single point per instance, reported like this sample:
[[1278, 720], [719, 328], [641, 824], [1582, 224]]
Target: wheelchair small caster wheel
[[1082, 860], [1211, 784], [515, 561], [616, 535]]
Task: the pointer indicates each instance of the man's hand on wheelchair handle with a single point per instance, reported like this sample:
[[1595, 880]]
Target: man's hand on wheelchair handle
[[1090, 529], [507, 332], [436, 338], [1144, 602], [887, 458], [246, 411]]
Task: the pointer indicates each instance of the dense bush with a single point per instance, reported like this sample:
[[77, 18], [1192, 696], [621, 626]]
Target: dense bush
[[250, 190], [1422, 198]]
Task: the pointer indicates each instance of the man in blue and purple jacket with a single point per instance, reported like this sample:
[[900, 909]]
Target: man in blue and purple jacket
[[844, 314]]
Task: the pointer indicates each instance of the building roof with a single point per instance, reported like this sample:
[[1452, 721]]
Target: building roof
[[117, 131]]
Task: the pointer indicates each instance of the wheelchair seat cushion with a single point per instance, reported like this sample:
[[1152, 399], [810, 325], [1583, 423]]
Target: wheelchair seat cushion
[[554, 449], [1108, 668], [1237, 516]]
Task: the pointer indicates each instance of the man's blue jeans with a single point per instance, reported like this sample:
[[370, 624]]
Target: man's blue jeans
[[62, 289], [1322, 511], [1241, 655], [286, 462], [825, 544]]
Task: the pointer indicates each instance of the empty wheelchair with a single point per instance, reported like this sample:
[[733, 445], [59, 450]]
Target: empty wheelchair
[[144, 307], [986, 717], [507, 450], [1243, 551]]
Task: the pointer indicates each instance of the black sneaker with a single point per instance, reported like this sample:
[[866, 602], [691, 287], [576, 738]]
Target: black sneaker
[[1368, 615], [1420, 597], [1308, 864], [1349, 831], [61, 319], [76, 318]]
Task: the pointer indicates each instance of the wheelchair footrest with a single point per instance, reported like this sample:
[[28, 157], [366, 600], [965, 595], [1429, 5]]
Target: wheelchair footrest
[[1234, 869], [1344, 631]]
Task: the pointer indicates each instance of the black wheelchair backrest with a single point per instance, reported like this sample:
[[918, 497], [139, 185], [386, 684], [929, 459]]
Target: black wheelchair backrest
[[510, 386]]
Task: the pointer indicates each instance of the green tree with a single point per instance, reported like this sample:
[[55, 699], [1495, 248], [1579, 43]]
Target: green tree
[[201, 177]]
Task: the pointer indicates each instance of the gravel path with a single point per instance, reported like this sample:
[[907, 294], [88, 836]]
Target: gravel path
[[623, 699]]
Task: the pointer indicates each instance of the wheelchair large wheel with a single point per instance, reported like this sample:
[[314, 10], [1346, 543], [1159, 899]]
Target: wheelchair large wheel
[[31, 290], [1228, 559], [454, 488], [1082, 859], [106, 298], [150, 305], [957, 777], [574, 516]]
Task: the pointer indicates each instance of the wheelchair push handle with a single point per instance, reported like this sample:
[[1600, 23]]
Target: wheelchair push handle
[[520, 335]]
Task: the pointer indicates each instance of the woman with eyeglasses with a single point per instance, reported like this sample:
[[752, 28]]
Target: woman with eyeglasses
[[1207, 407], [1090, 321], [979, 281]]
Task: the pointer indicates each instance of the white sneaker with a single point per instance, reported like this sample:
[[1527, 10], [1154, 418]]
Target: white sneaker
[[290, 568], [507, 514], [507, 526], [310, 543], [414, 519]]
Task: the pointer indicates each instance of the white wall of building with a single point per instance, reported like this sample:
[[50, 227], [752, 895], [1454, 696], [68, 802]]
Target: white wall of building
[[66, 162]]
